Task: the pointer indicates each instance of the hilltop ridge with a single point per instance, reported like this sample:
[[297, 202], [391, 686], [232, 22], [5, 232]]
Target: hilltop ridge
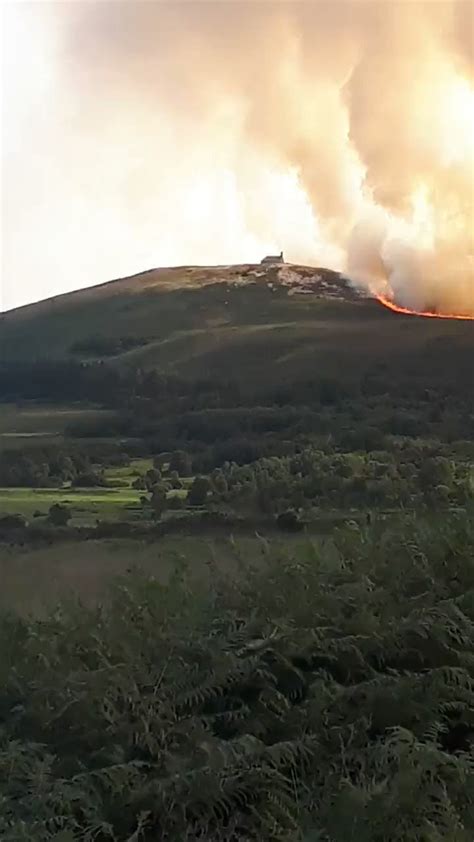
[[256, 321], [320, 281], [146, 308]]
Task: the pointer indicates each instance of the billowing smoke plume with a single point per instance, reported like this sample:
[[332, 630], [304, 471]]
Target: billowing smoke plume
[[160, 133]]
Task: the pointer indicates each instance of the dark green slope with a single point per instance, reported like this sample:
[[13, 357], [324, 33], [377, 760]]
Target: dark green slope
[[241, 321]]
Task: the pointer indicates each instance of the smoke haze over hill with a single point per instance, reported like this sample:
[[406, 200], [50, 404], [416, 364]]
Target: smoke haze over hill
[[144, 134]]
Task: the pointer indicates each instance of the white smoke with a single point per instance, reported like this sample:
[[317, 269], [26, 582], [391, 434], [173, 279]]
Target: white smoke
[[142, 134]]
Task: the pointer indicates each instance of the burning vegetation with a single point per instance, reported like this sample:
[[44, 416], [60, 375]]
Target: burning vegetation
[[430, 314]]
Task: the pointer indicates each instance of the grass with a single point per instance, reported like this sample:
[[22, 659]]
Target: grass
[[32, 424], [41, 420], [137, 308], [34, 579], [128, 473], [86, 504]]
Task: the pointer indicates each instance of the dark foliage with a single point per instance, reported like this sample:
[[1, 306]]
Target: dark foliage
[[102, 346], [59, 515], [323, 694]]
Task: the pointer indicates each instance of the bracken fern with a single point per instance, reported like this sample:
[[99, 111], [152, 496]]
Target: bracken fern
[[325, 695]]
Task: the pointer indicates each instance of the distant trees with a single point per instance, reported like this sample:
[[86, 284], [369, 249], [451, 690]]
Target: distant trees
[[344, 480], [36, 468], [61, 380], [158, 501], [436, 471], [147, 481], [219, 483], [89, 479], [59, 515], [289, 521], [174, 480], [181, 462], [152, 477], [52, 466], [199, 491]]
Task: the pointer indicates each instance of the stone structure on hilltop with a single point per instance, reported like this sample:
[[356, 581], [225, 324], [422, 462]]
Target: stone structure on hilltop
[[273, 258]]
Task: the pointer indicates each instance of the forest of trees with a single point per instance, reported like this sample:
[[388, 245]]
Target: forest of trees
[[371, 440]]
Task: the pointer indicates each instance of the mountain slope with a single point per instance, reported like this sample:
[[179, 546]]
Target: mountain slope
[[247, 321], [152, 305]]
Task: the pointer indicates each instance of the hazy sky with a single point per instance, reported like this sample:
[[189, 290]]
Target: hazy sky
[[140, 134]]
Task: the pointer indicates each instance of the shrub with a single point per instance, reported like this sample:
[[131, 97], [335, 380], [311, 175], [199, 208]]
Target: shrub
[[88, 479], [12, 522], [199, 491], [181, 462], [289, 521], [59, 515]]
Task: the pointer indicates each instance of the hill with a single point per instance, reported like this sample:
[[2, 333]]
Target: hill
[[132, 317], [257, 322]]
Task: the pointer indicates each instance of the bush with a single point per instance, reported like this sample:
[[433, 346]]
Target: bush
[[89, 479], [158, 500], [174, 480], [12, 522], [181, 462], [289, 521], [59, 515], [199, 491]]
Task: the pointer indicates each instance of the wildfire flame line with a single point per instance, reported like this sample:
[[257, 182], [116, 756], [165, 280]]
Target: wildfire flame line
[[424, 313]]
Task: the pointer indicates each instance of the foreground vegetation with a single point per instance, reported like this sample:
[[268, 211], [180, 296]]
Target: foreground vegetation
[[326, 695]]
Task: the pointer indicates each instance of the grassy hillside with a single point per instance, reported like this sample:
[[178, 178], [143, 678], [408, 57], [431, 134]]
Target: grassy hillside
[[152, 307], [254, 322]]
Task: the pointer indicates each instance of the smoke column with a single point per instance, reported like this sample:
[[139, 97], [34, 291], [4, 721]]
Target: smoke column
[[139, 134]]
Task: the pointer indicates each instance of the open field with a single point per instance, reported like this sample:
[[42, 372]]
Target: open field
[[86, 504], [31, 424], [35, 579], [41, 420], [128, 473]]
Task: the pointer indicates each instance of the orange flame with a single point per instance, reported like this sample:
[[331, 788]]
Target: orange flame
[[429, 314]]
